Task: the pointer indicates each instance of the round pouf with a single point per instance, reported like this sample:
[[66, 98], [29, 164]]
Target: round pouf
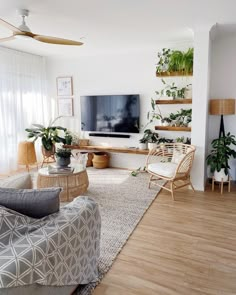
[[100, 160]]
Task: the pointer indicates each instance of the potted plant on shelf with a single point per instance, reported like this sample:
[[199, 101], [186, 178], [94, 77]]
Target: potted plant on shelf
[[152, 138], [63, 157], [218, 159], [175, 62], [171, 91], [143, 143]]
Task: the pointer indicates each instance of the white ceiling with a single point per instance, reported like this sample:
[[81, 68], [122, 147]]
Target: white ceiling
[[113, 25]]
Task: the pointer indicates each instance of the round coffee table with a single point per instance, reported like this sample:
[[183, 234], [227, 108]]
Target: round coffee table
[[73, 183]]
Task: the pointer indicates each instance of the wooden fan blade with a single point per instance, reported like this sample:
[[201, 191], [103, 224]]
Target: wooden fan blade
[[9, 26], [54, 40], [7, 38]]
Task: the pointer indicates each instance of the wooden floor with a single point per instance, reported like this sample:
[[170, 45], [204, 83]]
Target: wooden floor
[[185, 247]]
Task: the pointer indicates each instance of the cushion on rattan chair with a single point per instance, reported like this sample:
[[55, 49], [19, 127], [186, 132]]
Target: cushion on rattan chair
[[164, 169]]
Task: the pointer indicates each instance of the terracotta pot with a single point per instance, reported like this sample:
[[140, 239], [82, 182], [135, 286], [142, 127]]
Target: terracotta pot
[[48, 153]]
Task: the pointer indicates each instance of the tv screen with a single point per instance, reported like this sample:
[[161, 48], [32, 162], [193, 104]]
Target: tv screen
[[110, 113]]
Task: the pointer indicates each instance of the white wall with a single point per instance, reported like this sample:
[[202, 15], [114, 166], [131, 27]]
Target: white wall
[[223, 85], [200, 105], [115, 74]]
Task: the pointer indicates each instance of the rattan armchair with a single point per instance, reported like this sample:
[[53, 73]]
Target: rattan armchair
[[171, 162]]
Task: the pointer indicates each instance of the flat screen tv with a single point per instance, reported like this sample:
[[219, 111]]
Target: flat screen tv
[[110, 113]]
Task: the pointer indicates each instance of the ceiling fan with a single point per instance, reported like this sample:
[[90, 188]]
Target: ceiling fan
[[23, 32]]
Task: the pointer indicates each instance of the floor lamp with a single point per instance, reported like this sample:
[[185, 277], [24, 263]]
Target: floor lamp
[[222, 107]]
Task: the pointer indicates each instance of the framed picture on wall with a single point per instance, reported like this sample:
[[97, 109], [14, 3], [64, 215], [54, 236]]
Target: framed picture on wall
[[65, 106], [64, 86]]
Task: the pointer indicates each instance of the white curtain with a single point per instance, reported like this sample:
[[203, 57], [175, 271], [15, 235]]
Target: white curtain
[[23, 101]]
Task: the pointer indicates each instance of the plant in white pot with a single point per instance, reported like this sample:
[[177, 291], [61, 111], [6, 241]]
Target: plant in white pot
[[221, 152], [152, 138], [143, 143]]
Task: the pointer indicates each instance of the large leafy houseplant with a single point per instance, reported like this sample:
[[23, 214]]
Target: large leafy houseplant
[[175, 61], [49, 135], [221, 153]]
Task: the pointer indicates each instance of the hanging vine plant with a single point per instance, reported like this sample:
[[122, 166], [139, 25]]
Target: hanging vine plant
[[175, 62]]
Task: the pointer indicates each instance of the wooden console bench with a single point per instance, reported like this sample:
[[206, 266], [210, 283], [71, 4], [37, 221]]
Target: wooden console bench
[[95, 148]]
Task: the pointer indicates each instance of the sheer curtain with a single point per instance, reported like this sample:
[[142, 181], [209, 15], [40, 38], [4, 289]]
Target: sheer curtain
[[23, 101]]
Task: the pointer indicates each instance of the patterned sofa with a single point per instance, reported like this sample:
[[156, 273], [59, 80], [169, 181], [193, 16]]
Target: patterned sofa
[[50, 255]]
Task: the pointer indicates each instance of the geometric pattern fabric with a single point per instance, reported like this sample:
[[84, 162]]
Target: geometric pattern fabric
[[60, 249]]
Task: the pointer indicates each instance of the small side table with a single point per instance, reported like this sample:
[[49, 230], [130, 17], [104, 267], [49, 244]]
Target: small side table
[[221, 184]]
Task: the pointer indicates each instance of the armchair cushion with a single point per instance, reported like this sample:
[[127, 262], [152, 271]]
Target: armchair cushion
[[166, 169], [22, 181]]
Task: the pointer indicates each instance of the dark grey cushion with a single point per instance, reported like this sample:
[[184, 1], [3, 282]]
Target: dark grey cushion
[[35, 203]]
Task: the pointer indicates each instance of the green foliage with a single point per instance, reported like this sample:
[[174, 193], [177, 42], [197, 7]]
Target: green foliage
[[137, 171], [63, 153], [221, 153], [49, 135], [164, 140], [175, 61], [171, 90], [150, 136]]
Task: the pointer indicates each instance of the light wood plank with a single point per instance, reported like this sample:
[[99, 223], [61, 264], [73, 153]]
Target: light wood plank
[[187, 246], [172, 128], [174, 101]]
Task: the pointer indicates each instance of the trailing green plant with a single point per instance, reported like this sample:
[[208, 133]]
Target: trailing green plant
[[63, 153], [221, 152], [175, 61], [163, 61], [49, 135], [153, 114], [171, 90]]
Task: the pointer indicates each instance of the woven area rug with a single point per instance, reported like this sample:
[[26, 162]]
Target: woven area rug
[[123, 200]]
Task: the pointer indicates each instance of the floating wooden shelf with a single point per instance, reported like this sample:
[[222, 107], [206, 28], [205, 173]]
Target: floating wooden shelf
[[173, 74], [174, 101], [93, 148], [172, 128]]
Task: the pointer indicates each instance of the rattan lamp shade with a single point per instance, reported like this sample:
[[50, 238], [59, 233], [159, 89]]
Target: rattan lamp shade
[[26, 153], [222, 106]]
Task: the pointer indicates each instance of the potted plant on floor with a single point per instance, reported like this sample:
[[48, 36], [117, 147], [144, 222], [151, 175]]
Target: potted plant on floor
[[49, 136], [63, 157], [218, 159]]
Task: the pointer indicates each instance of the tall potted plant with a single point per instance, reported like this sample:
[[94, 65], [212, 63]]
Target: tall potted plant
[[49, 136], [221, 152]]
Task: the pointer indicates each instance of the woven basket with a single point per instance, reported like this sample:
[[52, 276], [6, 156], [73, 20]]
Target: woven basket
[[100, 160]]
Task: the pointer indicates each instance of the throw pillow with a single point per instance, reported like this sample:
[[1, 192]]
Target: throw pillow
[[22, 181], [35, 203], [177, 156]]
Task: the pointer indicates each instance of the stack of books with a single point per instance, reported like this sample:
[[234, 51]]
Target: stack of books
[[53, 169]]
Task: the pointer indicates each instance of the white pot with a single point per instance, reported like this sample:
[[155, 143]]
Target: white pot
[[152, 145], [142, 146], [188, 92], [165, 123], [220, 175]]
